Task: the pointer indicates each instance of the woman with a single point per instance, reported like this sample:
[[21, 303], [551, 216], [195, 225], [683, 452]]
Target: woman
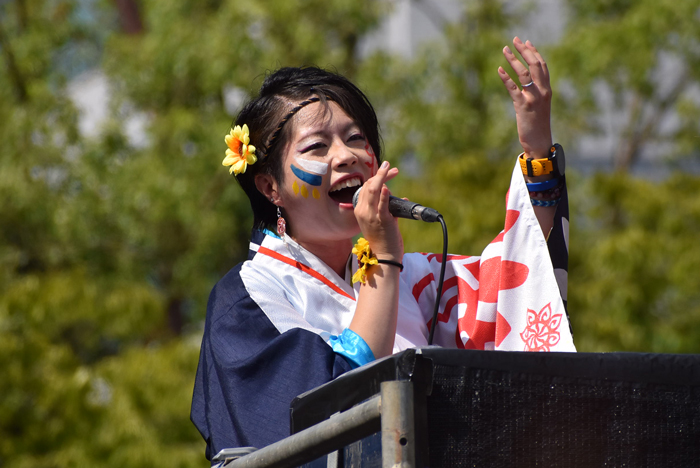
[[290, 319]]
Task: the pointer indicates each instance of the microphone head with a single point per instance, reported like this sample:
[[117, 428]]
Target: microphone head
[[355, 197], [401, 208]]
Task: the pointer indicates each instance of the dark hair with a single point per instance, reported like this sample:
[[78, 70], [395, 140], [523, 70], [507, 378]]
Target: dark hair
[[282, 94]]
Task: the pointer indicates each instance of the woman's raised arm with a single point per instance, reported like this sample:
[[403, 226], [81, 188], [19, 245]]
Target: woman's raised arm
[[532, 102]]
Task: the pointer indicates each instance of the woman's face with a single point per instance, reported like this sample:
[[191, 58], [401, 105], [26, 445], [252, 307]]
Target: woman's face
[[326, 160]]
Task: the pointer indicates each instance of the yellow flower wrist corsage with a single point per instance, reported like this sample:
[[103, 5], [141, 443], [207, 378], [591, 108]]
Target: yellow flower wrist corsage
[[240, 152], [364, 258]]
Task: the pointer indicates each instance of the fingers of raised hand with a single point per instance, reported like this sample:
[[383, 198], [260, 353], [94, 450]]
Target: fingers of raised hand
[[520, 69], [540, 65], [535, 72], [510, 85]]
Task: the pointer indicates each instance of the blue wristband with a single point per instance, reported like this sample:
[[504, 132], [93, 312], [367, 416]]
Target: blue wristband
[[353, 347], [542, 186]]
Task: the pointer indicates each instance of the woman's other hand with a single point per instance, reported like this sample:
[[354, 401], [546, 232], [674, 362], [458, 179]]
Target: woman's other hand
[[378, 225], [533, 102], [378, 301]]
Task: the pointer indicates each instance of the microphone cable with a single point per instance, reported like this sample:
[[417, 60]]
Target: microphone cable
[[401, 208], [433, 322]]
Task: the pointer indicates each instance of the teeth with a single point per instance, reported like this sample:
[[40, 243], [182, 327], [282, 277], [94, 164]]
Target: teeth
[[354, 182]]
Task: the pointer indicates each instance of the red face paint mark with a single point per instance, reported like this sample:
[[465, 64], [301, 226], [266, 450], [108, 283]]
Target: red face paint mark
[[370, 153]]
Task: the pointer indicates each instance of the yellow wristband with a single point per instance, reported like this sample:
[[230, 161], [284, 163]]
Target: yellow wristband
[[535, 167]]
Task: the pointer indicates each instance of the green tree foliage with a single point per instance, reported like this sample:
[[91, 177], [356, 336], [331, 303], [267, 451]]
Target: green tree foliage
[[633, 284], [634, 253], [448, 124], [109, 244], [187, 211], [640, 60]]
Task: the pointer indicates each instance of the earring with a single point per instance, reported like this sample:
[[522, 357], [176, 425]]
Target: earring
[[281, 224]]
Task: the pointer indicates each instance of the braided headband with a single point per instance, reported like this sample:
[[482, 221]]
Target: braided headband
[[289, 115], [240, 153]]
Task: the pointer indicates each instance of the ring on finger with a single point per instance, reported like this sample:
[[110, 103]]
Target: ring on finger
[[528, 85]]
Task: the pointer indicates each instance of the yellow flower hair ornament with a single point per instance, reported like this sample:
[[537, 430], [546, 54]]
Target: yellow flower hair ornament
[[240, 152], [364, 258]]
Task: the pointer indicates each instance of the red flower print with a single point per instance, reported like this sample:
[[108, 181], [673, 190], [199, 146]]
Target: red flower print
[[541, 330]]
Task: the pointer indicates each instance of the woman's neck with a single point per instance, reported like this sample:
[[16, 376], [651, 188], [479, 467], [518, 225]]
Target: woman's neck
[[333, 253]]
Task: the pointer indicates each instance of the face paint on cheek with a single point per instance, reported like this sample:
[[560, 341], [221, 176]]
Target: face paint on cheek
[[373, 163], [309, 169], [311, 179], [310, 172]]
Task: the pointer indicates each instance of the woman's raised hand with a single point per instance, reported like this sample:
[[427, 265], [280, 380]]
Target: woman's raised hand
[[533, 102], [378, 225]]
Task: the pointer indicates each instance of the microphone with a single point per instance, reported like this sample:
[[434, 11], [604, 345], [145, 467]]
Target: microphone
[[401, 208]]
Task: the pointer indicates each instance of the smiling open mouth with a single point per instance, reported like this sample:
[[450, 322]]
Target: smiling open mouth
[[342, 192]]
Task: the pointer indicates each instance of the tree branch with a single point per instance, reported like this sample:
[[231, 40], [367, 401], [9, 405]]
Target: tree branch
[[350, 46], [22, 14], [129, 16], [19, 86], [641, 130]]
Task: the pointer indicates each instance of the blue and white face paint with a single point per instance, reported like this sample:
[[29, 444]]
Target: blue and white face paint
[[309, 172], [324, 156]]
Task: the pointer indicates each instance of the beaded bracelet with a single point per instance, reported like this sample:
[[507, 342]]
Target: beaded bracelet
[[536, 202], [548, 195]]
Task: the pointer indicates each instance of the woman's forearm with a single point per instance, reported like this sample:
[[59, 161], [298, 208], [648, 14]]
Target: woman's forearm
[[377, 309]]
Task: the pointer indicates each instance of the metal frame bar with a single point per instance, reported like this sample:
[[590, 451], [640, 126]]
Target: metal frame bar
[[398, 429], [391, 412]]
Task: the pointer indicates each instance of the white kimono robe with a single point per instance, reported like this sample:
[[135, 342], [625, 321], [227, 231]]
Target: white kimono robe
[[270, 319]]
